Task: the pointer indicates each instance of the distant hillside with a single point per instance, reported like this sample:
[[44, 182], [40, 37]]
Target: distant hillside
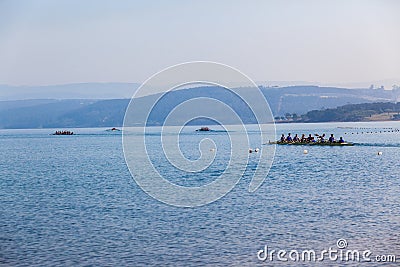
[[301, 99], [5, 105], [355, 112], [50, 113], [99, 114], [37, 114], [69, 91]]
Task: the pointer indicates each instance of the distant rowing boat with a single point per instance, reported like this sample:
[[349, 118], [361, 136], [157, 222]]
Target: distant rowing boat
[[312, 144], [63, 133], [203, 129]]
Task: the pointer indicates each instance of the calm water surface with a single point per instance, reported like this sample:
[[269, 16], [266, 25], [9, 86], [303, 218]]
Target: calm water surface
[[70, 200]]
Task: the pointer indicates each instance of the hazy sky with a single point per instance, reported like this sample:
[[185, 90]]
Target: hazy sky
[[55, 42]]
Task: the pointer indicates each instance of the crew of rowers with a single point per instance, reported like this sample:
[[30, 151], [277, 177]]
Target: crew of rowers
[[309, 139]]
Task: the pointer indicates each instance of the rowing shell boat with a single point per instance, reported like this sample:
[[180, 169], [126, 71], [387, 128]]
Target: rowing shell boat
[[312, 144]]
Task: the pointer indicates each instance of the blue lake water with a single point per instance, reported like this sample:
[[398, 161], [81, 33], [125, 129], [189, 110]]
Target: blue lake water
[[70, 200]]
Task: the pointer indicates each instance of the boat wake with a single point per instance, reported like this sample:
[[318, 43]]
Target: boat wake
[[377, 144]]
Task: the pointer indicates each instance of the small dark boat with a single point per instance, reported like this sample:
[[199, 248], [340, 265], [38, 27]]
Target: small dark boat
[[63, 133], [113, 130], [203, 129]]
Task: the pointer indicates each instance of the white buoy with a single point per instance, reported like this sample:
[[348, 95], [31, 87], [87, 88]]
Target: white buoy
[[305, 151], [380, 153], [256, 150], [212, 149]]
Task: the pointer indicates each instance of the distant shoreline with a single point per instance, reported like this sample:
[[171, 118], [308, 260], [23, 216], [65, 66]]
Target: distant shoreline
[[194, 126], [290, 122]]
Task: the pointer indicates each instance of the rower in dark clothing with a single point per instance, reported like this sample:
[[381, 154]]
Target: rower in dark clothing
[[331, 139], [283, 138], [341, 140], [289, 138], [296, 138], [310, 138], [303, 138]]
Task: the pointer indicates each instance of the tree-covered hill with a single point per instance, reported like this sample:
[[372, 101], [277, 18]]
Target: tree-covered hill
[[353, 112]]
